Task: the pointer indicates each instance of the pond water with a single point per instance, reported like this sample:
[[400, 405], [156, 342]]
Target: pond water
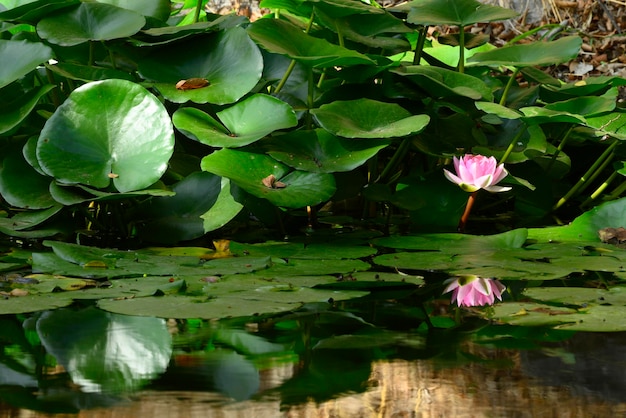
[[81, 361]]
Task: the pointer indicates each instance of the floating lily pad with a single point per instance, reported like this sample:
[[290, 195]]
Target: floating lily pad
[[455, 242], [289, 250], [24, 304]]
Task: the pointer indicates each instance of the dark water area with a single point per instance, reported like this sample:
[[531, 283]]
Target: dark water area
[[89, 363]]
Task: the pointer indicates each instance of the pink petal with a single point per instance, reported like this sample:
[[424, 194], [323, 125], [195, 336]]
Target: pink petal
[[452, 177]]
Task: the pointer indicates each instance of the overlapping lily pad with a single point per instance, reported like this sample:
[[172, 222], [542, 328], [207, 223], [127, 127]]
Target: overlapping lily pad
[[301, 188], [366, 118], [228, 60], [19, 58], [281, 37], [241, 124], [89, 22], [319, 151]]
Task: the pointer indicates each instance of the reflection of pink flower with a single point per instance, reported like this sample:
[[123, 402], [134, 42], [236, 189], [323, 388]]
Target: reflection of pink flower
[[472, 290], [474, 172]]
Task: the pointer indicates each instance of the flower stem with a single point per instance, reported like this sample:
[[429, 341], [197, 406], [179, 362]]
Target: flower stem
[[508, 87], [512, 145], [585, 177], [468, 209]]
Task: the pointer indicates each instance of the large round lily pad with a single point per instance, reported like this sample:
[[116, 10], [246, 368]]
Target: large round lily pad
[[107, 131]]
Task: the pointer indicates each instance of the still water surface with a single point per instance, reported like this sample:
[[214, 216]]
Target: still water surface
[[87, 363]]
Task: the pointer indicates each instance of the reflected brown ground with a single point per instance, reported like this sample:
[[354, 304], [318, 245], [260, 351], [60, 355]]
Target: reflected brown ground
[[396, 389]]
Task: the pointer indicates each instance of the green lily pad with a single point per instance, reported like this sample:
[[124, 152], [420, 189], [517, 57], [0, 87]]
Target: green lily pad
[[579, 295], [87, 73], [243, 123], [281, 37], [366, 118], [177, 306], [229, 60], [613, 124], [456, 242], [440, 82], [25, 304], [223, 210], [20, 185], [305, 267], [158, 9], [319, 151], [532, 54], [72, 195], [31, 12], [374, 30], [453, 12], [592, 319], [29, 219], [13, 110], [291, 250], [89, 22], [19, 58], [168, 220], [301, 188], [585, 227], [127, 139]]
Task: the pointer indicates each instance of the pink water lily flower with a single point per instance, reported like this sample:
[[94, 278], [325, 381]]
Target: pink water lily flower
[[475, 172], [470, 290]]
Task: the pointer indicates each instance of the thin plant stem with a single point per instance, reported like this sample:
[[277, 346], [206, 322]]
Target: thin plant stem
[[468, 209], [419, 47], [621, 188], [403, 148], [112, 58], [91, 53], [512, 145], [597, 172], [508, 87], [531, 32], [310, 99], [461, 66], [599, 190], [196, 12], [283, 80], [292, 64], [54, 93], [585, 177], [559, 148]]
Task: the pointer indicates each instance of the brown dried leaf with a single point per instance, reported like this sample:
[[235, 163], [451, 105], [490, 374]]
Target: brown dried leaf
[[192, 84]]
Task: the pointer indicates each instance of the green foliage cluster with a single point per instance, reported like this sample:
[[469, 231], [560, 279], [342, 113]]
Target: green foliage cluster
[[150, 119]]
